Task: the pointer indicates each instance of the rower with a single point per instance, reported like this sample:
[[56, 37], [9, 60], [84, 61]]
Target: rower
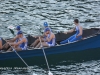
[[75, 37], [43, 37], [21, 44], [46, 26], [0, 43], [49, 40], [15, 39]]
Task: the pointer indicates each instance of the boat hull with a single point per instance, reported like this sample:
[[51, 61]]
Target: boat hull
[[87, 48], [54, 59]]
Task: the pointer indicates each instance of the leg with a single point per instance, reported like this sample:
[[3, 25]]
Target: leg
[[18, 49], [39, 44], [45, 44], [10, 49], [36, 42], [5, 46], [63, 42], [15, 48], [75, 39], [66, 41]]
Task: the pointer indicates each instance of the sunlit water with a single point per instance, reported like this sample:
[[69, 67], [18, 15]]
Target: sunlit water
[[30, 15]]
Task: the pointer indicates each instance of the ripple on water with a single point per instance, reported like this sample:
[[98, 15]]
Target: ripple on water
[[31, 14]]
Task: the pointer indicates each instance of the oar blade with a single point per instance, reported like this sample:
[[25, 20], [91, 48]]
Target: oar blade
[[12, 31], [11, 27]]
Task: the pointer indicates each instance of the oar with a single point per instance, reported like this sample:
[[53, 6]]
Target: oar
[[20, 57], [17, 54], [50, 73], [11, 29]]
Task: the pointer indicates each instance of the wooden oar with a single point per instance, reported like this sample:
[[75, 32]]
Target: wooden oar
[[11, 28], [50, 73], [17, 54], [20, 57]]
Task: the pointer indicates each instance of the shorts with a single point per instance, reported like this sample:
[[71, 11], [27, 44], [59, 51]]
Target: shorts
[[23, 48], [50, 44]]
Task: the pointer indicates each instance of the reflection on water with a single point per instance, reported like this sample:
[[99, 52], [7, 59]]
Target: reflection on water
[[31, 14]]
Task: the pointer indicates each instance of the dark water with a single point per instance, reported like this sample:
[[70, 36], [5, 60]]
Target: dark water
[[31, 14]]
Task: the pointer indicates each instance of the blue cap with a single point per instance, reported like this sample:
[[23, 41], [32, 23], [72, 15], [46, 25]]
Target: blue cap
[[47, 29], [45, 24], [18, 27], [19, 32]]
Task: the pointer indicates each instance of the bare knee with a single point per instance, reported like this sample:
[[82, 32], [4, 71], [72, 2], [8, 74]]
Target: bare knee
[[17, 49], [37, 40], [45, 44]]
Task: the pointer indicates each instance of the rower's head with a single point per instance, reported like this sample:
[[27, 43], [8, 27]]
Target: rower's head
[[76, 21], [47, 30], [18, 28], [45, 24], [20, 34]]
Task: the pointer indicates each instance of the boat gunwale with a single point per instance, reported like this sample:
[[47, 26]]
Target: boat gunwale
[[84, 38], [56, 45]]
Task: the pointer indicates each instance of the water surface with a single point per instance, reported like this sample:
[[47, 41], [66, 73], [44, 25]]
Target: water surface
[[30, 15]]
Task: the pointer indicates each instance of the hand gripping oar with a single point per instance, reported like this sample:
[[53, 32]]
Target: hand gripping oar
[[50, 73], [20, 57]]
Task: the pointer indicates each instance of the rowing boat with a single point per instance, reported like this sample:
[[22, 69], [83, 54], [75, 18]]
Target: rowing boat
[[87, 47]]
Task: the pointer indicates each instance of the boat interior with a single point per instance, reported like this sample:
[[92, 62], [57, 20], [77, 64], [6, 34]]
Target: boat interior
[[61, 36]]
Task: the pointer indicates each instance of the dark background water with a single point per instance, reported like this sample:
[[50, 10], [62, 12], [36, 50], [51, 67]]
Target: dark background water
[[30, 15]]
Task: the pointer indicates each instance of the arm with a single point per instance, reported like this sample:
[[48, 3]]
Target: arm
[[18, 43], [12, 40], [49, 39], [39, 36], [43, 35], [70, 31], [81, 31], [0, 44]]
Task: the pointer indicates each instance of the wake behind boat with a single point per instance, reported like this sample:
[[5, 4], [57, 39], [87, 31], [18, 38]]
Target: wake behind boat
[[89, 42]]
